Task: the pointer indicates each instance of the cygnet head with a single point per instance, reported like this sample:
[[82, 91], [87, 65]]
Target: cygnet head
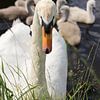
[[64, 14], [91, 3], [59, 4]]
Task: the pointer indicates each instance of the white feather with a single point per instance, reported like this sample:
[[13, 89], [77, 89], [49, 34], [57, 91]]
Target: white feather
[[15, 55], [56, 68]]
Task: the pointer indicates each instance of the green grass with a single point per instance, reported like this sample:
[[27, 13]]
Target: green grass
[[5, 93], [83, 78]]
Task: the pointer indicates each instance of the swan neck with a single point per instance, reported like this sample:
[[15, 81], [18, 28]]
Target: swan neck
[[38, 55], [37, 32], [89, 9]]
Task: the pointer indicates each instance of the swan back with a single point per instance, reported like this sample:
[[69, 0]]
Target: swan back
[[70, 31], [15, 55], [19, 33]]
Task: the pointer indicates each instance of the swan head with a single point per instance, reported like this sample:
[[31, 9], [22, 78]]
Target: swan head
[[46, 11], [91, 3]]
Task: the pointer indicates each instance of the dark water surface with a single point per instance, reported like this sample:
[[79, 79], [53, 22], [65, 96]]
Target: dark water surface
[[92, 38], [89, 40]]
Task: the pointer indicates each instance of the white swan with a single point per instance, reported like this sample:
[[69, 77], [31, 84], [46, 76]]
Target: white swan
[[43, 21], [16, 57], [59, 89], [80, 15]]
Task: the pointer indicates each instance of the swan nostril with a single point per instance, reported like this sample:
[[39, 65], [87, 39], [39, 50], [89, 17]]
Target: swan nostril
[[47, 50]]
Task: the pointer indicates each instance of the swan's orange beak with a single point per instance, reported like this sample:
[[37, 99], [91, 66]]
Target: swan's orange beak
[[46, 40]]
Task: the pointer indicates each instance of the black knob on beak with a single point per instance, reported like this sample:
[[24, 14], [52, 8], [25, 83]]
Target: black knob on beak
[[47, 51], [47, 27]]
